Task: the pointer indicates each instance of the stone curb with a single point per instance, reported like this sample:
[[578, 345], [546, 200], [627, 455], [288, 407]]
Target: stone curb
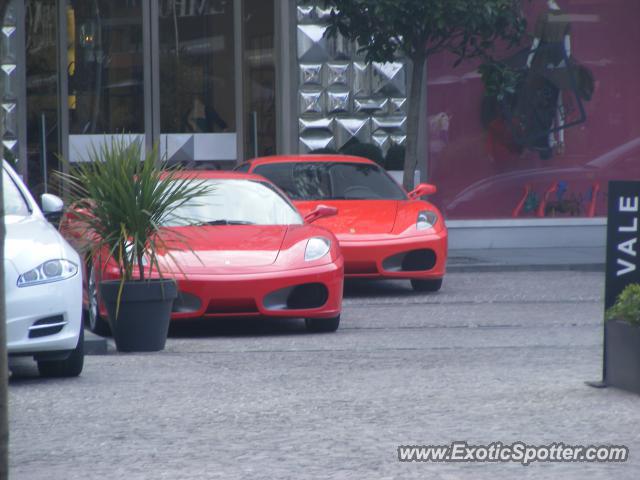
[[94, 344]]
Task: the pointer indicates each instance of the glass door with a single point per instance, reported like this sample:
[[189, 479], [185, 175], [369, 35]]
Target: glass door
[[197, 83], [259, 78]]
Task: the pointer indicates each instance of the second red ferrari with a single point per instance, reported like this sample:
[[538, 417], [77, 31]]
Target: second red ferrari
[[383, 231]]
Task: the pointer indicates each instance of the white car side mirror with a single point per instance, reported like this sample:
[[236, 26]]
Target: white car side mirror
[[51, 204]]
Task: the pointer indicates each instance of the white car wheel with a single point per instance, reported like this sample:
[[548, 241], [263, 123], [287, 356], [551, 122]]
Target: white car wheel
[[69, 367]]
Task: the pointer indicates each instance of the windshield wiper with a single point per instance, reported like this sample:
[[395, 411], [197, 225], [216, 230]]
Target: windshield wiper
[[223, 221]]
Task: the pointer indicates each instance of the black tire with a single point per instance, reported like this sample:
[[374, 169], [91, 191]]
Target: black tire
[[420, 285], [321, 325], [69, 367], [95, 322]]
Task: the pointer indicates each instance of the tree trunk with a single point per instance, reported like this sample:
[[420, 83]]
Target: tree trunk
[[4, 368], [413, 121]]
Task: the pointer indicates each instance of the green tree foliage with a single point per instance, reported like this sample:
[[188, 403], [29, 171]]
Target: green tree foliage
[[416, 29]]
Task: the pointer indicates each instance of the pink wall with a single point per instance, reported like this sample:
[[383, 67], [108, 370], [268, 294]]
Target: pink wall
[[477, 180]]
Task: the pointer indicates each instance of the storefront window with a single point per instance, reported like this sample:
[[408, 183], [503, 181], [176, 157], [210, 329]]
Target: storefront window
[[572, 125], [42, 94], [259, 78], [197, 81], [105, 71], [105, 67]]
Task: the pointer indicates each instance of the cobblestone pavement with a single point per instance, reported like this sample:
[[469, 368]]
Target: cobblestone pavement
[[492, 357]]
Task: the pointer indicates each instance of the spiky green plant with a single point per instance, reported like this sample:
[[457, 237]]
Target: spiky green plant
[[121, 200], [627, 306]]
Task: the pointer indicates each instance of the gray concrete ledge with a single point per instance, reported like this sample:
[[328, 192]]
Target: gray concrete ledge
[[94, 344], [527, 259]]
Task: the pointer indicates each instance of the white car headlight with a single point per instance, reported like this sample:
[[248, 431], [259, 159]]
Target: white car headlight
[[426, 219], [317, 247], [51, 271]]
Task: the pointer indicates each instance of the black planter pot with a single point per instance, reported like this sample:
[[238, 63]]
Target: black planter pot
[[622, 355], [144, 314]]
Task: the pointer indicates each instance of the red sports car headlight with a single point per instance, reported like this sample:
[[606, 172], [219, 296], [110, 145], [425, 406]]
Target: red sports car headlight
[[426, 219], [317, 247]]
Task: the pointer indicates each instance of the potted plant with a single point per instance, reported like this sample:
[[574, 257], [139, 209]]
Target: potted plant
[[120, 201], [622, 341]]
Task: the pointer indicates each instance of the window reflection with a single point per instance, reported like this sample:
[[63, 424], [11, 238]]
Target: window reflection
[[236, 202], [14, 203], [549, 148], [197, 67], [259, 78], [42, 94], [105, 66], [331, 181]]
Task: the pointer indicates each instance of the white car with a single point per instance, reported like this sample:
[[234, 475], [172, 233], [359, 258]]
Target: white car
[[43, 284]]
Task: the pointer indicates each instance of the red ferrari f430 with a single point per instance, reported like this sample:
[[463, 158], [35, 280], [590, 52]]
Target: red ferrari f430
[[241, 250], [383, 231]]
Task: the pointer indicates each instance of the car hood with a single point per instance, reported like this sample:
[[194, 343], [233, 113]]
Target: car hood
[[31, 241], [356, 216], [220, 248]]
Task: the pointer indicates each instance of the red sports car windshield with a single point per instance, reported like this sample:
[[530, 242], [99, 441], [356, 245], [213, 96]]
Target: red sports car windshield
[[236, 202], [332, 181]]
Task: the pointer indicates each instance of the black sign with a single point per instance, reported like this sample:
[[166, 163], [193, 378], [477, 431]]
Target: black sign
[[623, 247]]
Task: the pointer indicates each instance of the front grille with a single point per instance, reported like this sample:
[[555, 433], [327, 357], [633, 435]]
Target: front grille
[[308, 295], [299, 297], [412, 261], [417, 260], [232, 305], [360, 268]]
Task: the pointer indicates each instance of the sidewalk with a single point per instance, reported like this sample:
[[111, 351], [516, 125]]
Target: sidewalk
[[526, 259]]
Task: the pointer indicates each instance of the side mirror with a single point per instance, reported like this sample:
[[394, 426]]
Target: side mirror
[[422, 190], [320, 211], [52, 208], [51, 205]]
